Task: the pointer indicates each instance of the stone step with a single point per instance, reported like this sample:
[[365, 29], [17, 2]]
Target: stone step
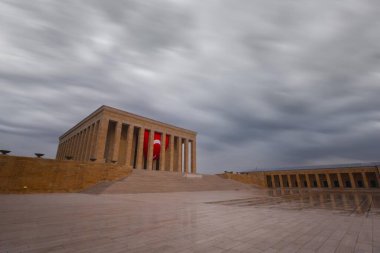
[[141, 181]]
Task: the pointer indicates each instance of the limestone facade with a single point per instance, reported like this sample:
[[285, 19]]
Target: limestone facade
[[109, 135]]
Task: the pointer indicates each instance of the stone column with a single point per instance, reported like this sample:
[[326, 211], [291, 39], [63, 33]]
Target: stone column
[[308, 180], [140, 148], [76, 147], [61, 147], [70, 148], [273, 181], [186, 157], [85, 143], [81, 144], [318, 180], [150, 150], [377, 174], [90, 130], [298, 180], [88, 143], [94, 140], [171, 147], [341, 185], [328, 180], [194, 156], [163, 152], [67, 147], [58, 151], [64, 150], [365, 180], [128, 154], [281, 182], [290, 181], [179, 153], [116, 142], [101, 140], [353, 185]]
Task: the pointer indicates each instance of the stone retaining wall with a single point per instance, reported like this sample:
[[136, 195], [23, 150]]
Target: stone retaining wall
[[34, 175], [257, 178]]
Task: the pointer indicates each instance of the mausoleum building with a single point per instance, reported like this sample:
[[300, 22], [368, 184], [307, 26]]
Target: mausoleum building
[[110, 135]]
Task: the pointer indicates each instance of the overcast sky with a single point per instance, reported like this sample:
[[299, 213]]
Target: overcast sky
[[264, 83]]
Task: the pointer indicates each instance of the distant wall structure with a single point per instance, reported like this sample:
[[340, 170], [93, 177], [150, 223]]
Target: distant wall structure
[[109, 135], [354, 177]]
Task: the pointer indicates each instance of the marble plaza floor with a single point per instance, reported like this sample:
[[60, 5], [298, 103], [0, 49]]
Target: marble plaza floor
[[210, 221]]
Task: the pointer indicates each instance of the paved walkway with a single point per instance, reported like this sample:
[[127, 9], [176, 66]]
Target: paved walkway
[[211, 221]]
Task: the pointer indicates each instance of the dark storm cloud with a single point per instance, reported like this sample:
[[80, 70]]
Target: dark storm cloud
[[264, 83]]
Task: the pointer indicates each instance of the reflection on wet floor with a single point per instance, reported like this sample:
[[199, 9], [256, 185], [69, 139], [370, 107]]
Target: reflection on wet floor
[[345, 203]]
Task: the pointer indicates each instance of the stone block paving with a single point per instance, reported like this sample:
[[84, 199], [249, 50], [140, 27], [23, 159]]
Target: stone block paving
[[210, 221]]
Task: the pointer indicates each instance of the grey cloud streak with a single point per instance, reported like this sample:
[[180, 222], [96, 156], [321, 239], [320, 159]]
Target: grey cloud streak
[[264, 83]]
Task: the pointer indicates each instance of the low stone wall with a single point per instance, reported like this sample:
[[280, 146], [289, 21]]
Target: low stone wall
[[36, 175], [257, 178]]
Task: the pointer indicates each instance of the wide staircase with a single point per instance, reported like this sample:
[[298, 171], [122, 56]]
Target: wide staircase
[[142, 181]]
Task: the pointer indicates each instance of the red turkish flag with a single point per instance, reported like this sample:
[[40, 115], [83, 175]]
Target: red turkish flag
[[156, 144]]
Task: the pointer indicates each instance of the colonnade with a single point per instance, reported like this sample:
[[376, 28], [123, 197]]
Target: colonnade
[[81, 145], [122, 142], [343, 179]]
